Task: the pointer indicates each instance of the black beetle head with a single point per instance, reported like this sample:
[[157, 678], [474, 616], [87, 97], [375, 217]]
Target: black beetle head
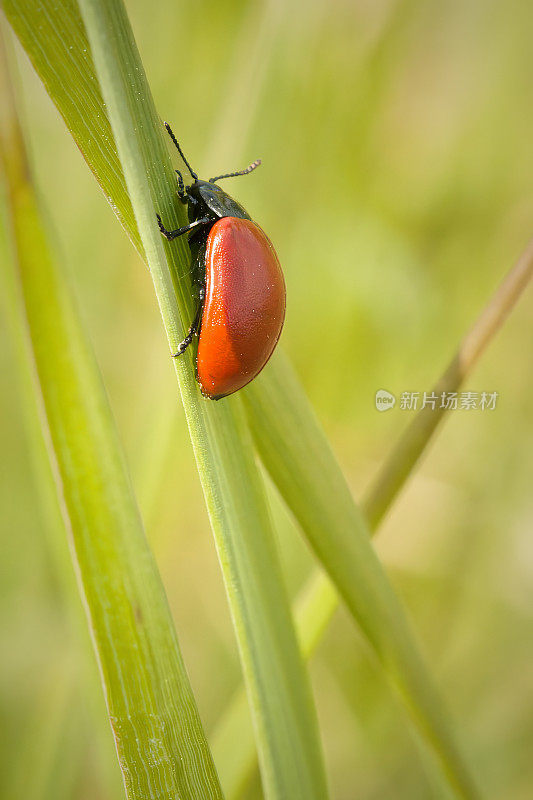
[[215, 198]]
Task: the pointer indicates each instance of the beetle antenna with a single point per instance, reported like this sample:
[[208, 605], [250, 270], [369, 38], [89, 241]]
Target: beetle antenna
[[246, 171], [180, 151]]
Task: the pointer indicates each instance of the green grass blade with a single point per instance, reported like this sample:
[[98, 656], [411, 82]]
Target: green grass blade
[[344, 548], [160, 741], [313, 610], [280, 697], [298, 457], [407, 452], [58, 48], [318, 601]]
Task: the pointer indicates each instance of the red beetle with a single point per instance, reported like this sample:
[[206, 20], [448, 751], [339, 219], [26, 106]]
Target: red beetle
[[241, 297]]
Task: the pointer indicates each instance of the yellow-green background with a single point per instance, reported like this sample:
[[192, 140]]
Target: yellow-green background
[[397, 186]]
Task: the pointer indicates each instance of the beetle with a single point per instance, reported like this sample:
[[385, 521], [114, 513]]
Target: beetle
[[240, 285]]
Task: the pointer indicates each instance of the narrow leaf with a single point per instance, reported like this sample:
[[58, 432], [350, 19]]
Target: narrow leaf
[[401, 462], [337, 531], [318, 601], [279, 690], [313, 609], [160, 742]]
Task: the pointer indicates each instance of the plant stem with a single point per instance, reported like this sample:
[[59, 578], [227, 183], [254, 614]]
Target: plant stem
[[286, 726], [317, 602], [160, 742], [401, 462]]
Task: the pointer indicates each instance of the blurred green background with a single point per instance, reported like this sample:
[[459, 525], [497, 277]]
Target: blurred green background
[[397, 187]]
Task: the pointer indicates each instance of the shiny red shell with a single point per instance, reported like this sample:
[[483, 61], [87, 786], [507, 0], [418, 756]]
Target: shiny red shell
[[244, 306]]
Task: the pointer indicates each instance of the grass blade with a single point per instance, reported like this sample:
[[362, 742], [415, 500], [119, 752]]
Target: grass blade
[[318, 600], [58, 48], [320, 499], [160, 742], [313, 609], [279, 691], [405, 455]]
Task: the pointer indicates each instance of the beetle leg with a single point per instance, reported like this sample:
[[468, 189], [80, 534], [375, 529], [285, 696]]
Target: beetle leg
[[195, 325], [182, 194], [180, 231]]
